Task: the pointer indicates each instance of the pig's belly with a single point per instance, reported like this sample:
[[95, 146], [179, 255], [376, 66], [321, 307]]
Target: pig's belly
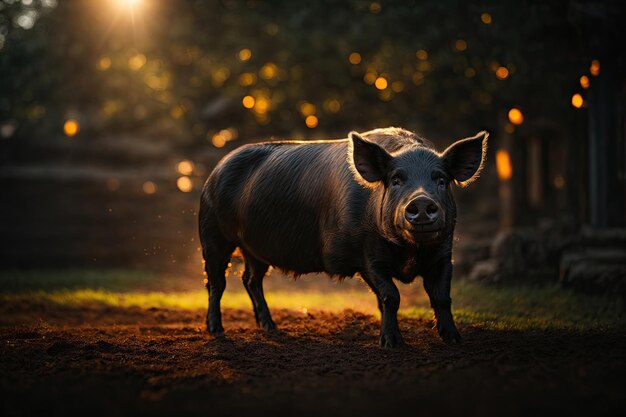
[[284, 244], [299, 251]]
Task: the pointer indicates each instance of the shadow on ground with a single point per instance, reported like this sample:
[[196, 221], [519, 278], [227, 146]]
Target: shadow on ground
[[102, 360]]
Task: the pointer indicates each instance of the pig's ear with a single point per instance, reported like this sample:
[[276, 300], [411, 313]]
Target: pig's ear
[[464, 159], [369, 161]]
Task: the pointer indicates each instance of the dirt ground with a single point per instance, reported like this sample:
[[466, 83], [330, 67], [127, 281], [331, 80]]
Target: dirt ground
[[131, 361]]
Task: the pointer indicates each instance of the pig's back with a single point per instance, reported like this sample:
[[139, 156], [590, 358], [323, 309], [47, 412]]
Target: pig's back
[[289, 203]]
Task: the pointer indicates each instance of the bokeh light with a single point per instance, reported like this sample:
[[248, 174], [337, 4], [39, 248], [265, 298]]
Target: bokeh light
[[223, 136], [485, 18], [577, 101], [104, 63], [184, 184], [502, 73], [311, 121], [136, 62], [460, 45], [354, 58], [307, 109], [594, 68], [149, 187], [248, 102], [584, 82], [503, 165], [71, 127], [185, 167], [381, 83], [247, 79], [332, 105], [369, 78], [516, 116], [268, 71], [245, 54]]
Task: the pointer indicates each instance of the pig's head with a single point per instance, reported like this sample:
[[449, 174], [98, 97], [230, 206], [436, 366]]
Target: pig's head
[[414, 183]]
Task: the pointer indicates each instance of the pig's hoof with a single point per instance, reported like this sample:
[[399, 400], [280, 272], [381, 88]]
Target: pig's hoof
[[215, 328], [269, 326], [450, 335], [391, 340]]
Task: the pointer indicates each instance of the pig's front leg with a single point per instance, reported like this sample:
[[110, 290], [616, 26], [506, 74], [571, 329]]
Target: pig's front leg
[[388, 302], [437, 284]]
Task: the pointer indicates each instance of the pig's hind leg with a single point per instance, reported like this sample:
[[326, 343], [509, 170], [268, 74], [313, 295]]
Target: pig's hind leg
[[216, 256], [253, 281], [216, 251]]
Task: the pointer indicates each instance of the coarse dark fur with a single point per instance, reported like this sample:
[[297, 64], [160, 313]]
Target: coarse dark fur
[[378, 204]]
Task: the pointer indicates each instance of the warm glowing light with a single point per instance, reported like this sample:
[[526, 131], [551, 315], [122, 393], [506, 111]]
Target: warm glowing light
[[354, 58], [136, 62], [311, 121], [245, 54], [515, 116], [369, 78], [332, 105], [218, 140], [262, 105], [577, 101], [268, 71], [185, 167], [307, 109], [247, 79], [375, 7], [594, 68], [584, 82], [502, 73], [184, 184], [71, 127], [129, 3], [460, 45], [485, 18], [381, 83], [149, 187], [503, 165], [248, 102], [422, 55], [104, 63]]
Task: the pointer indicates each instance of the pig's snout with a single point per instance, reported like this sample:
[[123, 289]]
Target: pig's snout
[[422, 211]]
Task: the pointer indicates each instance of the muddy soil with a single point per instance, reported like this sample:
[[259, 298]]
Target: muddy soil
[[99, 360]]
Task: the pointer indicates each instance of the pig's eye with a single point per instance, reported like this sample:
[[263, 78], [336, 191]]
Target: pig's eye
[[441, 182], [396, 180]]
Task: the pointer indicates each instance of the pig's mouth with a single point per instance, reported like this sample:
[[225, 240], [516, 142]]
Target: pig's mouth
[[422, 233]]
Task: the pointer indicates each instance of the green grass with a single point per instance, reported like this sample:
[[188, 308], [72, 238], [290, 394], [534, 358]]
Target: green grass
[[512, 308]]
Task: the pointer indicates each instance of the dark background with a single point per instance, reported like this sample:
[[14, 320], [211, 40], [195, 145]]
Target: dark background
[[151, 85]]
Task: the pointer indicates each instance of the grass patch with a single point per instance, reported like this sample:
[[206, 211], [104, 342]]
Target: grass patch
[[512, 308], [196, 299]]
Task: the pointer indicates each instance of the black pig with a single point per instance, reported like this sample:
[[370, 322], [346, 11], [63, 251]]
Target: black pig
[[378, 204]]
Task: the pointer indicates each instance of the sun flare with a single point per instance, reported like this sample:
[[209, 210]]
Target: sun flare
[[128, 3]]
